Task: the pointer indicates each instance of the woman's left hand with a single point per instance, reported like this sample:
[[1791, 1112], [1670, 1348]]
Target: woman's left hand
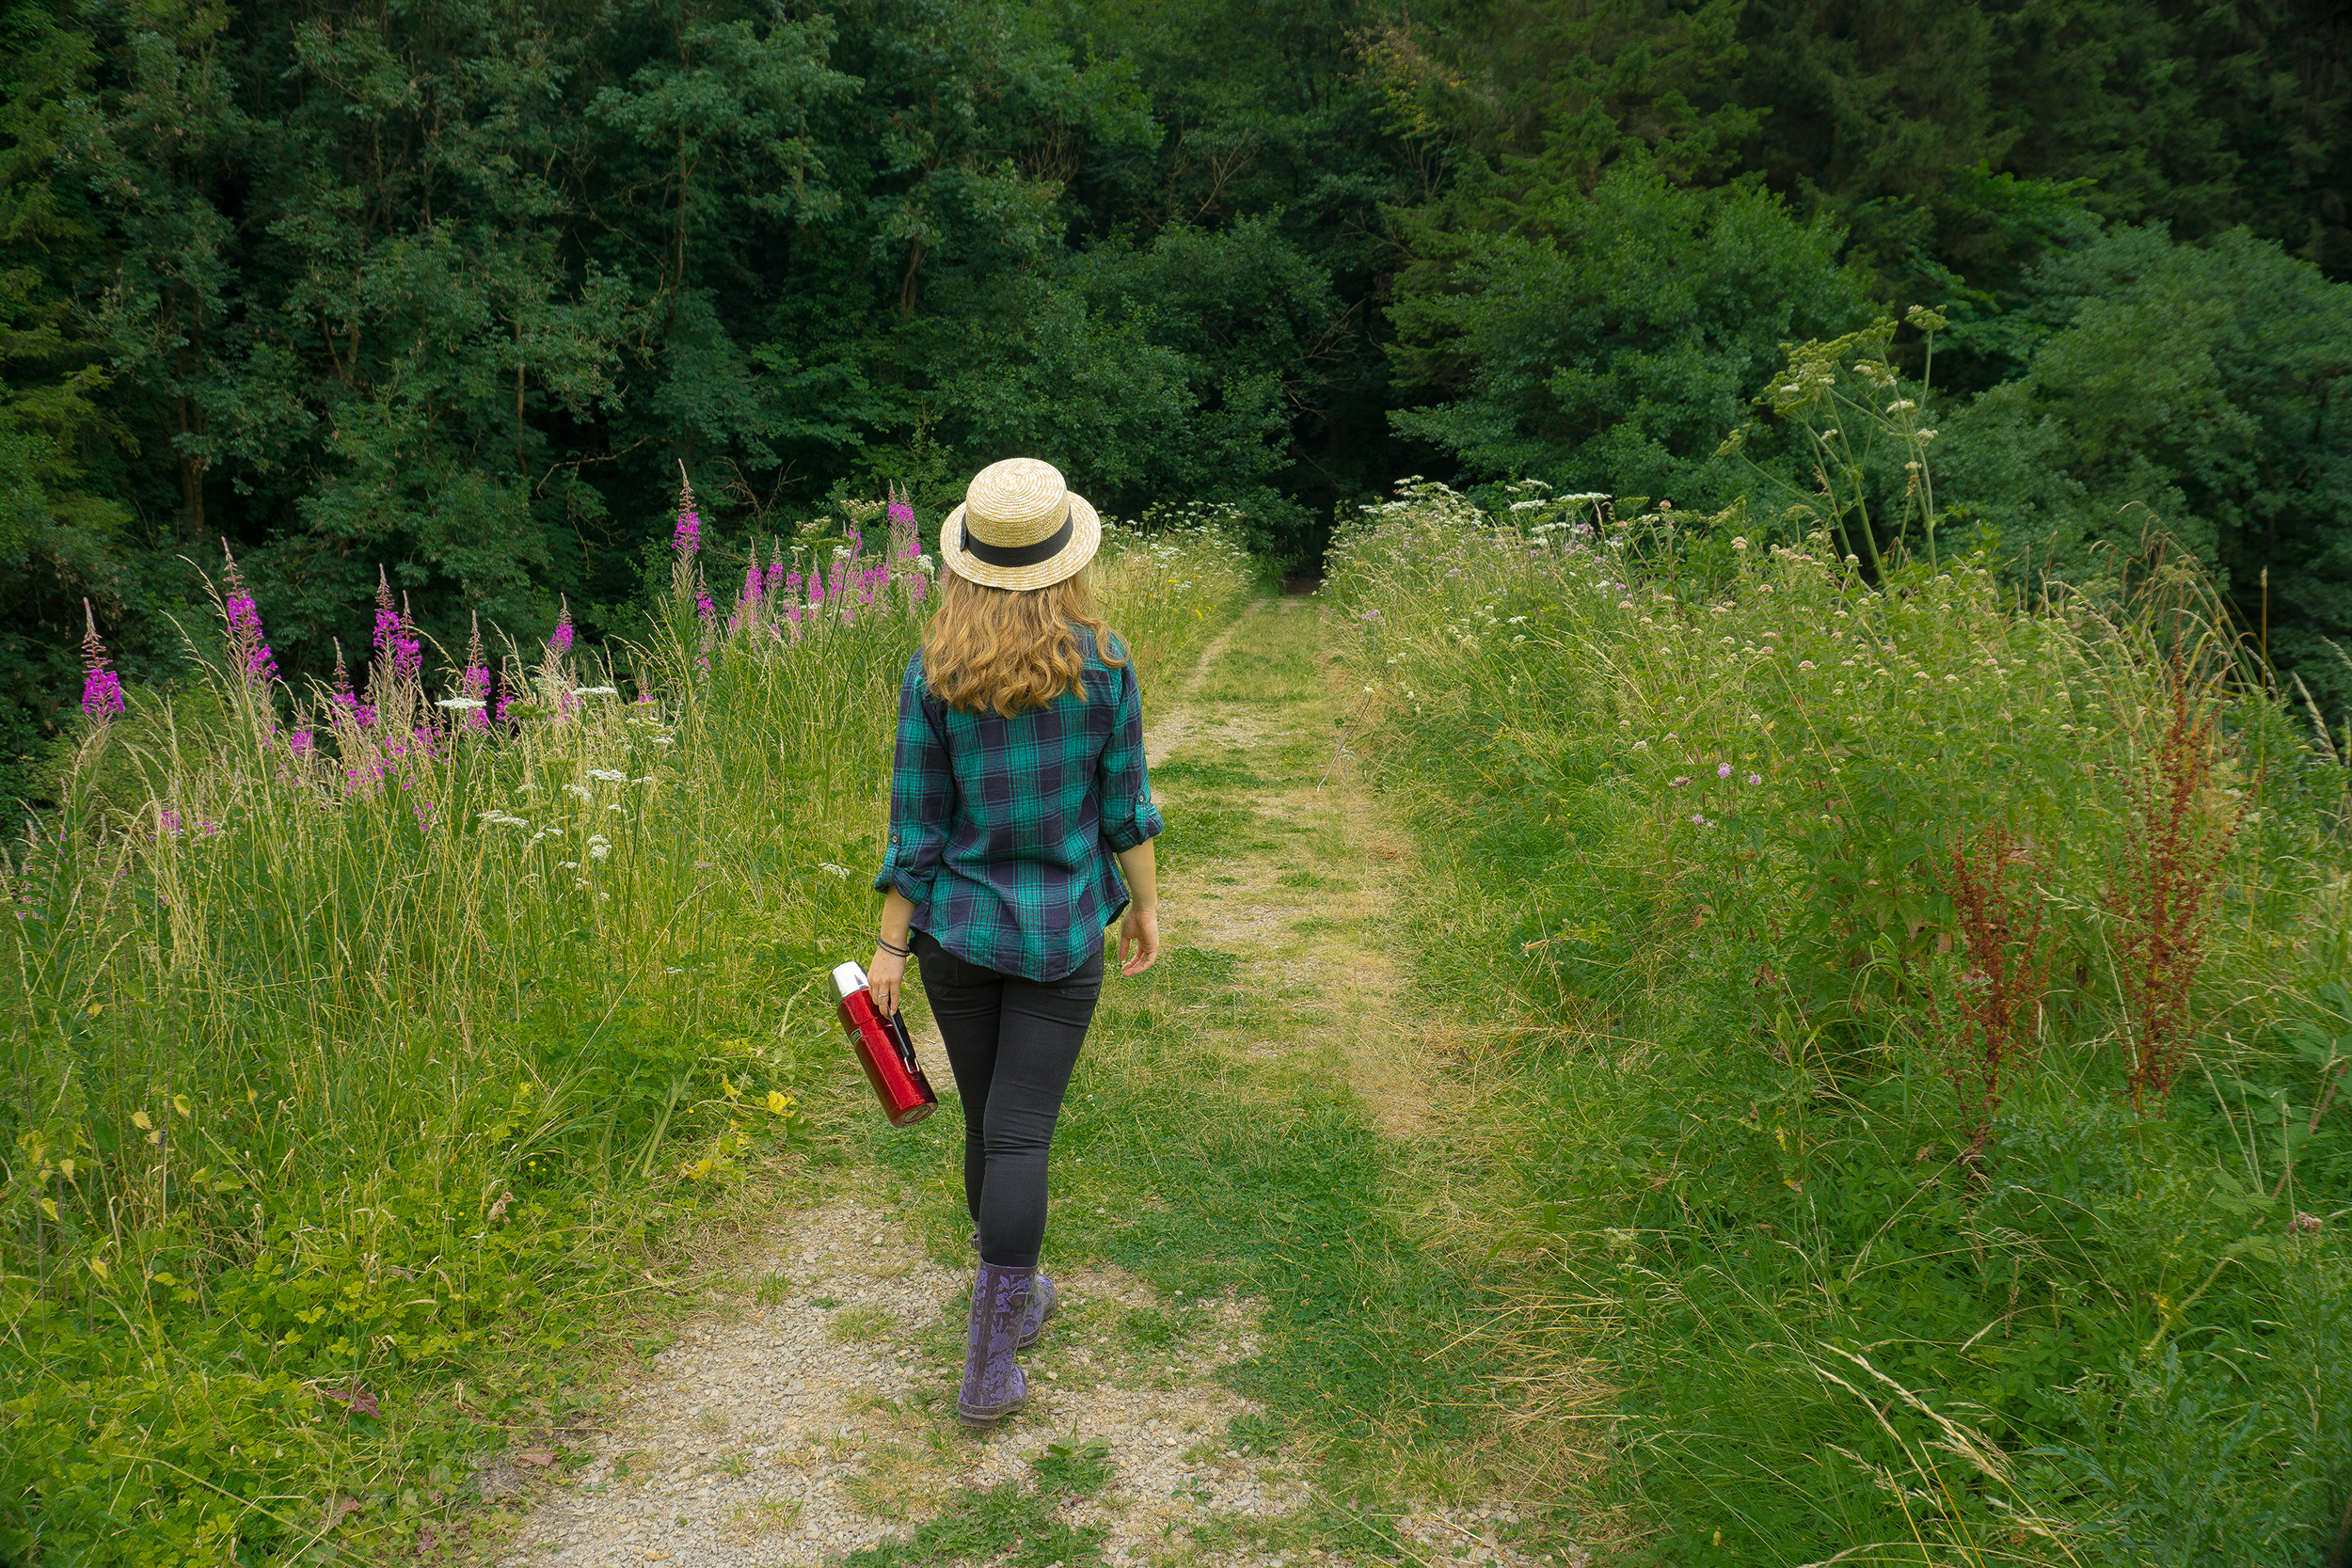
[[883, 977]]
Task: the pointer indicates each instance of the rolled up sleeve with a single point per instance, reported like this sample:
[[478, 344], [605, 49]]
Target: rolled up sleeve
[[922, 796], [1123, 779]]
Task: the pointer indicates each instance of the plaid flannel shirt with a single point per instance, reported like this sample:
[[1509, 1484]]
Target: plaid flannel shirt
[[1003, 830]]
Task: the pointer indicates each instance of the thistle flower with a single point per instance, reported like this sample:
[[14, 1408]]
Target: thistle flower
[[245, 627], [101, 690], [1723, 771], [560, 639]]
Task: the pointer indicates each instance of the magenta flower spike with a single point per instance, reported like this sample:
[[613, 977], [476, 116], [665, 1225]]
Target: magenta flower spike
[[901, 511], [101, 690], [408, 649], [246, 641], [688, 537], [560, 639], [386, 619], [775, 574], [474, 685]]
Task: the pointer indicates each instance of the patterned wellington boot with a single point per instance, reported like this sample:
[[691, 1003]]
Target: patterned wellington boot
[[1043, 1299], [993, 1384]]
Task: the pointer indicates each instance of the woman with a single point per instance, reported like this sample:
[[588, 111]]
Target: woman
[[1020, 780]]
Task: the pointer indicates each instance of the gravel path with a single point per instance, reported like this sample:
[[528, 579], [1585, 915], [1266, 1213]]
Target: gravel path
[[812, 1413]]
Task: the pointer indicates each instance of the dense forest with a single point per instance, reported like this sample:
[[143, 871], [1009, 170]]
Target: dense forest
[[451, 287]]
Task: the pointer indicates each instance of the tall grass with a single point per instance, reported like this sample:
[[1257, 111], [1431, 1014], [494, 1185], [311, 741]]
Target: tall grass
[[1835, 1149], [361, 1047]]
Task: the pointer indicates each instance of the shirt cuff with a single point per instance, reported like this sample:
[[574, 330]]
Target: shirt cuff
[[1145, 824]]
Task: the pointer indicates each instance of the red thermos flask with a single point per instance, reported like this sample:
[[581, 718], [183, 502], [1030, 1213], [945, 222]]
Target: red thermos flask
[[883, 1049]]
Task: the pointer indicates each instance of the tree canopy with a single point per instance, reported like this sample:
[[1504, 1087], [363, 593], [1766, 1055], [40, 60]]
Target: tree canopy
[[453, 288]]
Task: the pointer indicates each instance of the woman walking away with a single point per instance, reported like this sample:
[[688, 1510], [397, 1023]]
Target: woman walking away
[[1019, 782]]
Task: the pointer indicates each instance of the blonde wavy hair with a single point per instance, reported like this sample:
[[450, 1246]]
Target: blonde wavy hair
[[1011, 649]]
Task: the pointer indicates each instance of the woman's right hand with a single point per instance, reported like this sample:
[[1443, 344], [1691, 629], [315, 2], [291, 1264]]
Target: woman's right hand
[[1139, 940], [884, 978]]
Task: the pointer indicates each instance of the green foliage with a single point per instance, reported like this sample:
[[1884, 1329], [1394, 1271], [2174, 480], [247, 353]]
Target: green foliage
[[2197, 390], [1697, 803], [1611, 339]]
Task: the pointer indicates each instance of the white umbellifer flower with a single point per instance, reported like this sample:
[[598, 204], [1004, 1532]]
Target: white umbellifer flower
[[1738, 542], [501, 818], [461, 704], [555, 832], [599, 849], [580, 790], [663, 740], [570, 866], [647, 778], [832, 870], [609, 775], [597, 691]]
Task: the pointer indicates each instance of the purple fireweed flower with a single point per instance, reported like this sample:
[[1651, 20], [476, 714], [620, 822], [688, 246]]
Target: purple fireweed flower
[[168, 820], [245, 627], [474, 685], [703, 606], [300, 743], [408, 649], [775, 577], [750, 584], [901, 511], [386, 619], [917, 587], [101, 690], [688, 535], [1723, 771], [560, 639]]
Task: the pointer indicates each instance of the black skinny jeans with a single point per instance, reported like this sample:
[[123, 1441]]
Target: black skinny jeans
[[1013, 1044]]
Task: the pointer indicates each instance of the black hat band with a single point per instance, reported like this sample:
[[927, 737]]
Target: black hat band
[[1011, 556]]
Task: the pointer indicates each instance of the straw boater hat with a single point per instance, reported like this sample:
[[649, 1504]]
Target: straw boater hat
[[1019, 527]]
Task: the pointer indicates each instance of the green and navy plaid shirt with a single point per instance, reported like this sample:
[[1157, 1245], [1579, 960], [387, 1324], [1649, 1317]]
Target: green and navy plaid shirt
[[1002, 830]]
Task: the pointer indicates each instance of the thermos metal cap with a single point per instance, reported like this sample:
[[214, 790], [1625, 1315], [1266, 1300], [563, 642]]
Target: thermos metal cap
[[848, 979]]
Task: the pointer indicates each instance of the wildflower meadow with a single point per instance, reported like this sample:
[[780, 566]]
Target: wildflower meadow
[[1920, 1138], [368, 1046]]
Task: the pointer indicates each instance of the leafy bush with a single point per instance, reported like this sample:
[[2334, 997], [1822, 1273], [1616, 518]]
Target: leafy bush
[[2200, 387], [1868, 1286]]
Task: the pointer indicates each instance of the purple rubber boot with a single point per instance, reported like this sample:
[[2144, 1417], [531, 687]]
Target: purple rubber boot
[[993, 1384], [1042, 1301]]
